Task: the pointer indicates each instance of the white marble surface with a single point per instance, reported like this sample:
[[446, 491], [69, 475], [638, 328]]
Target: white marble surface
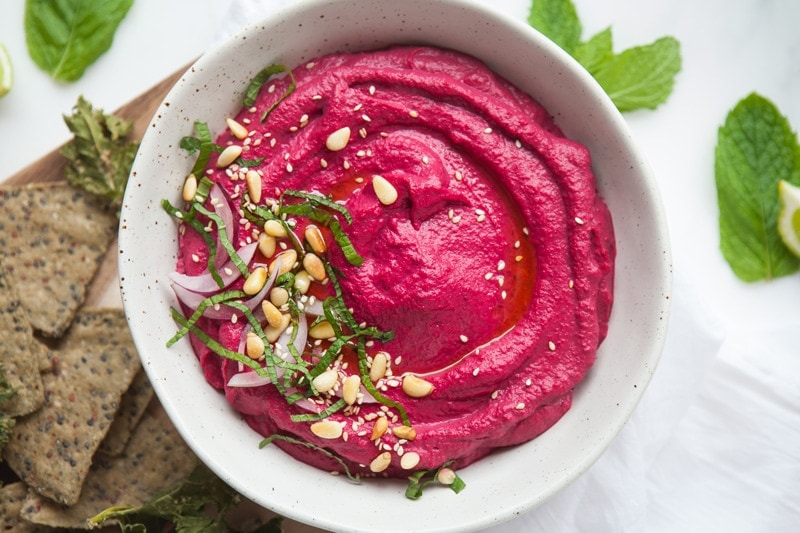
[[728, 454]]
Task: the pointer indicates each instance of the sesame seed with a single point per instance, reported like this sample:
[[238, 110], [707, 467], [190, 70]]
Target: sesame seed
[[503, 295], [289, 167], [571, 284], [488, 276], [323, 163], [518, 143], [371, 89], [346, 165], [476, 371], [528, 382], [525, 231], [293, 129], [487, 130], [551, 345], [501, 265], [425, 159], [413, 114], [456, 219], [366, 118], [516, 244], [316, 97], [459, 176], [195, 258], [362, 132], [494, 394], [481, 218], [463, 338], [520, 406], [578, 220], [310, 65]]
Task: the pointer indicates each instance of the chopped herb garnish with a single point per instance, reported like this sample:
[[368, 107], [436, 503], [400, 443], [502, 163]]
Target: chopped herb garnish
[[99, 156], [188, 218], [314, 447], [421, 479], [202, 144]]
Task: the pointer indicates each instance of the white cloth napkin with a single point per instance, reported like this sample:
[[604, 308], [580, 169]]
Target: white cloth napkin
[[714, 445]]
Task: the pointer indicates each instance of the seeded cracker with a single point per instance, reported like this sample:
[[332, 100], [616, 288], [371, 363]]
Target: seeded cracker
[[154, 459], [19, 352], [131, 409], [53, 238], [12, 497], [51, 449]]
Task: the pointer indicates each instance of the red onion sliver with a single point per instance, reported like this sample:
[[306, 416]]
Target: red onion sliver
[[248, 379], [205, 283]]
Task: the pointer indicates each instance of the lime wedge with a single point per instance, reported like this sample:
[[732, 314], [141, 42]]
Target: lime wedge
[[789, 216], [6, 73]]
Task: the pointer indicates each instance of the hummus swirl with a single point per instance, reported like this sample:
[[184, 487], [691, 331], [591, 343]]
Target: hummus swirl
[[493, 267]]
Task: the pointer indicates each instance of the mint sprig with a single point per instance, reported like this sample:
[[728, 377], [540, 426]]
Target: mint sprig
[[641, 77], [756, 148]]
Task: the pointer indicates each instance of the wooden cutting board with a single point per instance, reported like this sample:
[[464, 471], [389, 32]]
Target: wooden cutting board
[[104, 290]]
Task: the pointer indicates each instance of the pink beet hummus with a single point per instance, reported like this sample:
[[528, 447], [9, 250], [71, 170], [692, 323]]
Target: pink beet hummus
[[493, 267]]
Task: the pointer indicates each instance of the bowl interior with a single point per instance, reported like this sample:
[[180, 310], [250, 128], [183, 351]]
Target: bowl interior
[[506, 483]]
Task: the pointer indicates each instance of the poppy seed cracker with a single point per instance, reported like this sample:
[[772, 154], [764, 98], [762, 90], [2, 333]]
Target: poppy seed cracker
[[131, 409], [20, 354], [53, 238], [51, 449], [155, 459]]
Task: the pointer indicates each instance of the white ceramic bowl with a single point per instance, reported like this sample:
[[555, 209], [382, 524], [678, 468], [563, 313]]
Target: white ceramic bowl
[[504, 484]]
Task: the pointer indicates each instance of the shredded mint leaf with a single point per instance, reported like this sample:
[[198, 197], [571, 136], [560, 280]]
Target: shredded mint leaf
[[272, 438], [197, 504], [258, 82], [64, 37], [557, 20], [756, 148], [422, 478], [99, 157], [641, 77]]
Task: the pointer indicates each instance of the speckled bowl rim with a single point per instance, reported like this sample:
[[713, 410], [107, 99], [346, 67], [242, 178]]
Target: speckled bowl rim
[[507, 483]]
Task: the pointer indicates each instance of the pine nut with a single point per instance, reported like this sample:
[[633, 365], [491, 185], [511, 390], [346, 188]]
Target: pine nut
[[381, 463], [446, 476], [322, 330], [272, 333], [278, 296], [238, 131], [404, 432], [189, 188], [253, 180], [254, 346], [229, 155], [378, 368], [284, 262], [315, 239], [409, 460], [314, 266], [338, 140], [302, 281], [326, 381], [416, 387], [274, 228], [327, 429], [350, 388], [384, 190], [273, 315], [267, 245], [379, 428], [255, 281]]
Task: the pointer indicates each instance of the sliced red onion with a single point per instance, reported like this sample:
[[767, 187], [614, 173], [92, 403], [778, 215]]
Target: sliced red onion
[[282, 344], [314, 309], [248, 379], [205, 283], [192, 300]]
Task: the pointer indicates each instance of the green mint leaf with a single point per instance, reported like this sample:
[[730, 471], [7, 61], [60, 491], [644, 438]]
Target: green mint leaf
[[756, 148], [642, 76], [64, 37], [99, 157], [557, 20], [593, 53]]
